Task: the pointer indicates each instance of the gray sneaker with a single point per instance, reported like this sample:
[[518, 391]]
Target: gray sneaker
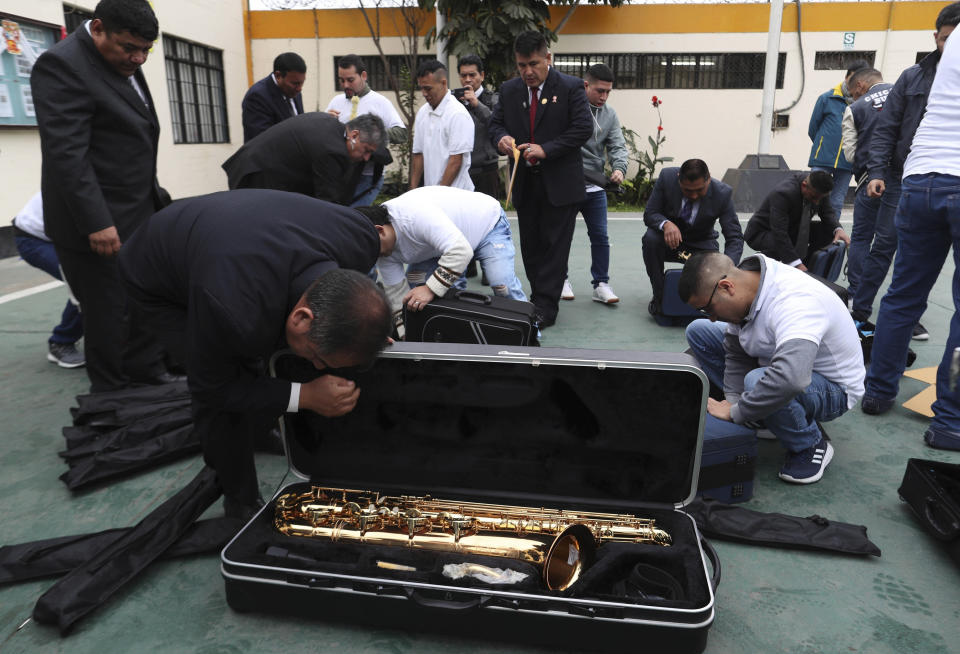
[[66, 355]]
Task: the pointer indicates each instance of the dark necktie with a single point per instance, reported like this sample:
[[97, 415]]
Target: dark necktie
[[803, 230], [533, 111], [686, 211]]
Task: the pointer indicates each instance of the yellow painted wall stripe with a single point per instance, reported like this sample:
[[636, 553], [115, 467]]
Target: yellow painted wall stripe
[[631, 19]]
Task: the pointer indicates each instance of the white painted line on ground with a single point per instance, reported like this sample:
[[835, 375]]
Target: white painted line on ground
[[10, 297]]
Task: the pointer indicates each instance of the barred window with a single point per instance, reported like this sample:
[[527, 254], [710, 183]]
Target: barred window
[[198, 106], [694, 70], [377, 78], [74, 17], [842, 59]]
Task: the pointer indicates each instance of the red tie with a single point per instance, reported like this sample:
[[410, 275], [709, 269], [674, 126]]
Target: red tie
[[533, 111]]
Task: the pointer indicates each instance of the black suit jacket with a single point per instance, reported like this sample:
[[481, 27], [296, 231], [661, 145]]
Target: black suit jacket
[[306, 154], [99, 144], [562, 125], [264, 105], [665, 203], [232, 265], [774, 228]]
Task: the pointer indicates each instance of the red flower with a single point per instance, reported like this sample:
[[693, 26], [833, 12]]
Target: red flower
[[659, 128], [656, 101]]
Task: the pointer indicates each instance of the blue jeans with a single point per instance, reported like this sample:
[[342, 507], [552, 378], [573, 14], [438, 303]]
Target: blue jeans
[[928, 224], [841, 182], [496, 256], [369, 190], [594, 212], [869, 263], [40, 254], [794, 424]]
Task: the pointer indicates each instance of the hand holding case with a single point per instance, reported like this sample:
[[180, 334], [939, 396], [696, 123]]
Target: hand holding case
[[575, 430]]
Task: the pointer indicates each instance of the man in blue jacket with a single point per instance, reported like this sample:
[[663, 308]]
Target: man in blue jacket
[[824, 130], [893, 134]]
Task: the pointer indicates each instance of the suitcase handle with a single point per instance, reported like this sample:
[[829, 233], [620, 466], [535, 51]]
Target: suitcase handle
[[931, 510], [714, 559], [473, 297], [447, 602]]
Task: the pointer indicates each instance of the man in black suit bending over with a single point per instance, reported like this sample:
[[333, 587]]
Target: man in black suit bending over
[[783, 228], [235, 276], [544, 113], [276, 97], [98, 136], [314, 154], [680, 215]]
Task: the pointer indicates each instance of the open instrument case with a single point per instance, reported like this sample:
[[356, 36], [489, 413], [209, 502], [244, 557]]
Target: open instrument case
[[487, 455]]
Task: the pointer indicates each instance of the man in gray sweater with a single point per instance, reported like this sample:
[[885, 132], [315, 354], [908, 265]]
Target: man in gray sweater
[[606, 143], [786, 353]]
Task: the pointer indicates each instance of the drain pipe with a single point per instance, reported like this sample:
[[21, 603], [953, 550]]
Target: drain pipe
[[770, 75]]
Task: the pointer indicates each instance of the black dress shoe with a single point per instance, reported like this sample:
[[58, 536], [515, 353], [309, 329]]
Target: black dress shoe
[[654, 307], [542, 321], [235, 509], [161, 378]]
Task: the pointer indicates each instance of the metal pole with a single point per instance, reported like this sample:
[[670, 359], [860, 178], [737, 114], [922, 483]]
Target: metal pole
[[441, 43], [770, 75]]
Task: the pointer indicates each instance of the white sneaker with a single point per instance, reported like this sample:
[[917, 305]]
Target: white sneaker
[[567, 292], [603, 293]]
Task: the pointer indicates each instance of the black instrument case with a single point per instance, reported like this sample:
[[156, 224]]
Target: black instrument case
[[468, 317], [576, 430]]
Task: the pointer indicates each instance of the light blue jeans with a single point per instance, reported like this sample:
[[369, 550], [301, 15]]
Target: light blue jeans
[[370, 191], [794, 424], [496, 256]]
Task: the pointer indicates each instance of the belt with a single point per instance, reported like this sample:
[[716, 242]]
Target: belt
[[485, 168], [19, 232]]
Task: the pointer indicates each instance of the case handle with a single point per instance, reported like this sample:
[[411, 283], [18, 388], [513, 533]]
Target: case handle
[[714, 562], [932, 510], [447, 602], [474, 297]]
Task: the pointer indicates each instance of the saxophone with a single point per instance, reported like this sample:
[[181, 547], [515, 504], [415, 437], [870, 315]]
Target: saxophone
[[560, 543]]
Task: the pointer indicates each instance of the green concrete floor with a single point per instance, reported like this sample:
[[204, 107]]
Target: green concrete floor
[[768, 601]]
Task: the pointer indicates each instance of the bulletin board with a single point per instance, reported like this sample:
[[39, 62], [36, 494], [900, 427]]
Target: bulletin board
[[22, 42]]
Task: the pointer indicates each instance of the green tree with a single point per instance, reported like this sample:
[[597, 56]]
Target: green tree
[[487, 28]]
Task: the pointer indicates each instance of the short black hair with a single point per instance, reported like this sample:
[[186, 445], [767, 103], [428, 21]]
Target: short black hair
[[134, 16], [599, 73], [701, 271], [371, 129], [351, 315], [352, 61], [856, 65], [470, 60], [865, 75], [693, 170], [377, 213], [432, 66], [530, 42], [949, 15], [821, 181], [289, 61]]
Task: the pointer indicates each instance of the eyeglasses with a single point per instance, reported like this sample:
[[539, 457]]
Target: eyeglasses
[[705, 309]]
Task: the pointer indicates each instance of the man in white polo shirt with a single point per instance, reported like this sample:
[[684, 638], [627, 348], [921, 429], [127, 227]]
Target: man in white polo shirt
[[437, 230], [442, 133], [788, 352]]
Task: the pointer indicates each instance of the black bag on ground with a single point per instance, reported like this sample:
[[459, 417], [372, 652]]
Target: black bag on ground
[[474, 318], [932, 489], [88, 586]]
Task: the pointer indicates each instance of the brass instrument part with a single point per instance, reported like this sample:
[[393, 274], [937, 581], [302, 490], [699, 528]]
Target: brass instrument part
[[560, 543]]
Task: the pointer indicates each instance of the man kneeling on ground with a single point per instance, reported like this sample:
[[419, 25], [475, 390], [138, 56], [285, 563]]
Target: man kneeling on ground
[[787, 352]]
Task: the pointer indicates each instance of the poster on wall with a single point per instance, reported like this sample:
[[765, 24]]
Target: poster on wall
[[6, 106], [11, 37], [26, 95]]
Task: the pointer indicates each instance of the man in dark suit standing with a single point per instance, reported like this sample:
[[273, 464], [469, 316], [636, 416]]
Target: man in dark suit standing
[[783, 228], [276, 97], [680, 215], [98, 137], [314, 154], [235, 276], [545, 115]]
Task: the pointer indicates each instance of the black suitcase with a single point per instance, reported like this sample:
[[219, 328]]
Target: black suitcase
[[674, 311], [467, 317], [932, 489], [728, 461], [468, 431]]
